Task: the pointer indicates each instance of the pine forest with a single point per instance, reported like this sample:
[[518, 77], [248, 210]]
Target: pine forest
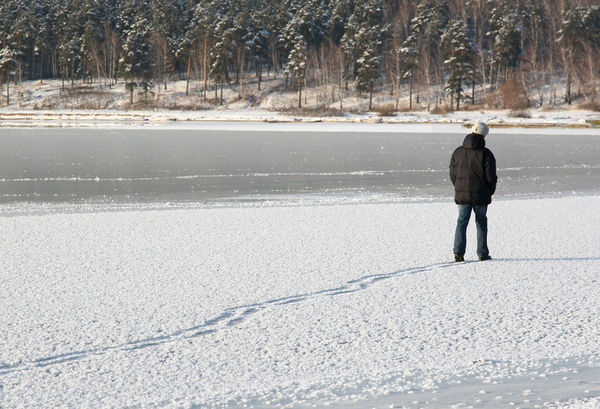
[[431, 52]]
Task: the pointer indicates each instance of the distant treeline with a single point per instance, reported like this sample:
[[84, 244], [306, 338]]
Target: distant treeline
[[436, 49]]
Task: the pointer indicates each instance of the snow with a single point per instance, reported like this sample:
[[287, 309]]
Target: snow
[[342, 305], [589, 404], [418, 122], [339, 301], [34, 105]]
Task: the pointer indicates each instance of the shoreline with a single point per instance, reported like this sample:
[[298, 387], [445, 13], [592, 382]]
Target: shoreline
[[503, 119]]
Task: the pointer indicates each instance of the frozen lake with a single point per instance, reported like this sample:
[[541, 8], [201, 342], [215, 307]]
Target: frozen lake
[[230, 302], [147, 165]]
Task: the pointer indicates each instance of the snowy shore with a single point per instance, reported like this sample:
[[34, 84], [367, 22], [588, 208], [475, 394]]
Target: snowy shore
[[353, 305], [52, 104], [502, 119]]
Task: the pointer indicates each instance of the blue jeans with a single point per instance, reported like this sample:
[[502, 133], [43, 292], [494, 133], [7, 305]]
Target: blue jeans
[[460, 236]]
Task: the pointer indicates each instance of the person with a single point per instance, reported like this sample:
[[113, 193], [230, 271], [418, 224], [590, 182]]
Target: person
[[473, 174]]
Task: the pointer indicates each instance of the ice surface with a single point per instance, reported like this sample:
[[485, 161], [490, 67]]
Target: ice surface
[[146, 165], [349, 305]]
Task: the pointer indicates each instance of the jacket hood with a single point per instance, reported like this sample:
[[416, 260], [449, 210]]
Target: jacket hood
[[473, 141]]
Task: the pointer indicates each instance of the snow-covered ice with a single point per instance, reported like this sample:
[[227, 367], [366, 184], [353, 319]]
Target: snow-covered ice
[[351, 305]]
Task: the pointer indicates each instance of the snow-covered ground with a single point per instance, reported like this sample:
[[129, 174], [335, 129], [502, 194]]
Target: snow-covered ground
[[347, 302], [346, 305], [97, 105], [167, 118]]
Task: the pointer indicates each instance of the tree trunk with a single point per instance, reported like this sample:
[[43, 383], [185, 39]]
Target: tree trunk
[[99, 71], [31, 64], [241, 73], [41, 68], [458, 94], [165, 76], [271, 64], [410, 92], [341, 60], [568, 94], [592, 75], [306, 92], [54, 65], [259, 68], [204, 77], [371, 97], [187, 80]]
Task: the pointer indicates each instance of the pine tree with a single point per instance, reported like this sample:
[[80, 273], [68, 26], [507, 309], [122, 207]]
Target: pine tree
[[426, 28], [257, 37], [297, 54], [70, 42], [237, 21], [92, 38], [569, 37], [505, 37], [135, 64], [591, 39], [408, 55], [310, 18], [111, 47], [275, 19], [341, 10], [44, 40], [126, 13], [591, 20], [168, 23], [222, 50], [459, 51], [535, 42], [9, 64], [20, 35], [6, 22], [532, 20], [201, 33], [365, 39]]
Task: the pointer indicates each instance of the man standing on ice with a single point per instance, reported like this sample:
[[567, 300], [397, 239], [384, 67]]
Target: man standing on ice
[[473, 174]]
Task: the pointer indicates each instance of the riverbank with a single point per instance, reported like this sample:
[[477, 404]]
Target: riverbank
[[495, 118], [49, 105]]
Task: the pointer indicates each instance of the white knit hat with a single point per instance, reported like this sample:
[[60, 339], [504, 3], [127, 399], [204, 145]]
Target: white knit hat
[[480, 128]]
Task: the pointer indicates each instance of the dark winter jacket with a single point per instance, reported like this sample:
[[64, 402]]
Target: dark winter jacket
[[473, 172]]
